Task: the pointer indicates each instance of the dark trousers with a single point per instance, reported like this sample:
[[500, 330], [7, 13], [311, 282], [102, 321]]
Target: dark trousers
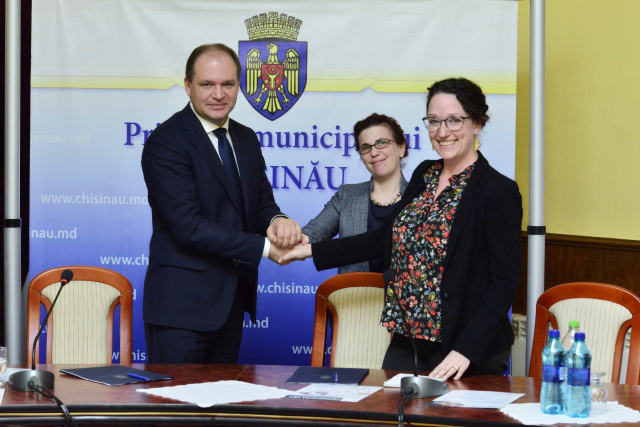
[[175, 345], [400, 357]]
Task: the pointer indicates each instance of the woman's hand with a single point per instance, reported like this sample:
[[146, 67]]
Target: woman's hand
[[300, 252], [454, 364]]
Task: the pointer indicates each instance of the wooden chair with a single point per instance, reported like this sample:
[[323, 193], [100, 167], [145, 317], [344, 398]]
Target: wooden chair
[[605, 312], [80, 328], [355, 302]]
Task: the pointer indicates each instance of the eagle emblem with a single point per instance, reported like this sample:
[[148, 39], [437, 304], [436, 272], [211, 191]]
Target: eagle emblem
[[274, 73]]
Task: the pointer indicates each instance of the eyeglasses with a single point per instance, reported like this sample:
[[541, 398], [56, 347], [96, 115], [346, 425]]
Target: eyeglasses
[[452, 123], [379, 144]]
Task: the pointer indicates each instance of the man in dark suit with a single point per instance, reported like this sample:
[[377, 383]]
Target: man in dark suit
[[211, 205]]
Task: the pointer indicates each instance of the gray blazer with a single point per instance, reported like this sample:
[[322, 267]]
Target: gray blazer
[[353, 200]]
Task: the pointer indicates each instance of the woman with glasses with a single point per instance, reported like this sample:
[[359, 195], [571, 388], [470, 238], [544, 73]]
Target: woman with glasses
[[453, 247], [357, 208]]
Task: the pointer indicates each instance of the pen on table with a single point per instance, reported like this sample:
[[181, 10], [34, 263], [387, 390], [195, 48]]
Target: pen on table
[[140, 377], [336, 377]]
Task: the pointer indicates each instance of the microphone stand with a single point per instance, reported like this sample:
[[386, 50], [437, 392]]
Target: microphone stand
[[30, 379]]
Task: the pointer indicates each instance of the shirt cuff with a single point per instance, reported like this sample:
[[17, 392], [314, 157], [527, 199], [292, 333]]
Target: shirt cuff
[[267, 248], [279, 216]]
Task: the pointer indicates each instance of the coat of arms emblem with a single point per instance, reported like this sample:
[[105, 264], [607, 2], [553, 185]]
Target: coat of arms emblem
[[274, 64]]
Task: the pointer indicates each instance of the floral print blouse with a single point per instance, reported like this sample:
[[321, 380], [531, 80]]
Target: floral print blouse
[[420, 236]]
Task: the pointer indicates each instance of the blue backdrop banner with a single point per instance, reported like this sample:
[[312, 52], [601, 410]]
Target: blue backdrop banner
[[106, 73]]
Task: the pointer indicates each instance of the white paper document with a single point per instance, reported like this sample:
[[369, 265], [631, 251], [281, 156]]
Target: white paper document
[[476, 399], [220, 392], [335, 392], [530, 414]]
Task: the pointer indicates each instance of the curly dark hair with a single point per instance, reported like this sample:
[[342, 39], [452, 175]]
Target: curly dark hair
[[469, 95], [206, 48], [381, 120]]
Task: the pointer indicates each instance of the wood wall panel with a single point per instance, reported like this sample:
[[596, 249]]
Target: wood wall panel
[[584, 259]]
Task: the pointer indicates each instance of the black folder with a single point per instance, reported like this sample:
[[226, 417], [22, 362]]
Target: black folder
[[317, 375], [115, 375]]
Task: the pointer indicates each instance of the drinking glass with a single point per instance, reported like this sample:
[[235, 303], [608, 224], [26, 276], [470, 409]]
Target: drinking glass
[[3, 362], [599, 394]]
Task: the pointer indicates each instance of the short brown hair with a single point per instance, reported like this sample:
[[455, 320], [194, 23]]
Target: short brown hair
[[381, 120], [206, 48]]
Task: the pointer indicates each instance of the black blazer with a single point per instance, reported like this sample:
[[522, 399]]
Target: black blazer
[[200, 248], [481, 267]]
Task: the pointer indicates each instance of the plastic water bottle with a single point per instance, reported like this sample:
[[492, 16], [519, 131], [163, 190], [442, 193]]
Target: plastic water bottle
[[567, 343], [568, 340], [578, 362], [551, 392]]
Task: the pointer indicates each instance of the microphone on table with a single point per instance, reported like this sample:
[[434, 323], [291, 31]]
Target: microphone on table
[[28, 380], [415, 386]]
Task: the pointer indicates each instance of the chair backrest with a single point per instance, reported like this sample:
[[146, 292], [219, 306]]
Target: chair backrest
[[355, 302], [80, 328], [605, 312]]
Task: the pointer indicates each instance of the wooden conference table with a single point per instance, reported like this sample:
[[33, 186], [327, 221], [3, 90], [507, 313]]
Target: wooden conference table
[[92, 403]]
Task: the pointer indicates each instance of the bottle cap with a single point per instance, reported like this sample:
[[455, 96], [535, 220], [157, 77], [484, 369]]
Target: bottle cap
[[553, 333], [574, 324], [579, 336]]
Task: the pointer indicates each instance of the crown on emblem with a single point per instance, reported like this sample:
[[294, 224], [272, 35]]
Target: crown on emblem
[[273, 26]]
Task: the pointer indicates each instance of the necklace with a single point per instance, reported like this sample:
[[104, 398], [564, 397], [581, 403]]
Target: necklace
[[398, 196]]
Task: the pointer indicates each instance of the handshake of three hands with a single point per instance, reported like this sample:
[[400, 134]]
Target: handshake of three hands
[[287, 242]]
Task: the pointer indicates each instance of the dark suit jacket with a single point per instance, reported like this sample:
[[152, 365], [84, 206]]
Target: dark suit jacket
[[200, 249], [482, 264]]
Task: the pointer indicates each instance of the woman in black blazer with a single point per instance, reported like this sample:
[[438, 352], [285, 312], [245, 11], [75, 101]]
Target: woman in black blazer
[[453, 245]]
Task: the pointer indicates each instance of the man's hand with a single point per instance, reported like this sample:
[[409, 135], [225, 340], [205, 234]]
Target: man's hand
[[454, 365], [284, 232], [276, 253], [299, 252]]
